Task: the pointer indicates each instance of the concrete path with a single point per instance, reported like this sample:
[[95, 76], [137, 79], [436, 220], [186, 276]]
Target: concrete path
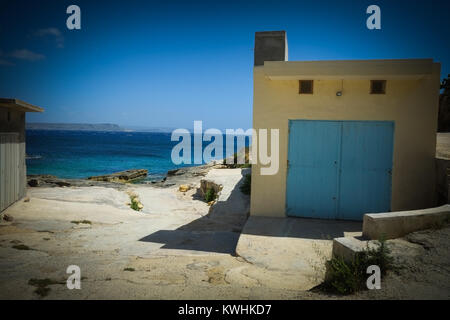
[[176, 247], [297, 246]]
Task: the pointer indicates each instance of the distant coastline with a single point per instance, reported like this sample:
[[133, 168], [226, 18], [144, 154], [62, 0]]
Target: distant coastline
[[107, 127], [74, 126]]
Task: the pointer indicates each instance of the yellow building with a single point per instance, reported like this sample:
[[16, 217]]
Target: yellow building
[[355, 136]]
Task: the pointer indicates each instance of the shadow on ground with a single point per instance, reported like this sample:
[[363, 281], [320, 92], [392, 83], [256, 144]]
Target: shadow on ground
[[218, 231], [305, 228]]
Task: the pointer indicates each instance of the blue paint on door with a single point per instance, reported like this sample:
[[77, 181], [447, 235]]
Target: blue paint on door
[[312, 168], [339, 169]]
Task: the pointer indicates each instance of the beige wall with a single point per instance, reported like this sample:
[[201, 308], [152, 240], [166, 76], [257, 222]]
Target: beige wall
[[411, 103]]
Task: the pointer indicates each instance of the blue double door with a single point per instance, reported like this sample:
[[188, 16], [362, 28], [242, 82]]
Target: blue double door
[[339, 169]]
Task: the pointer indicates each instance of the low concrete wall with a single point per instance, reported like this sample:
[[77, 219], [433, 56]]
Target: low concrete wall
[[397, 224], [347, 247]]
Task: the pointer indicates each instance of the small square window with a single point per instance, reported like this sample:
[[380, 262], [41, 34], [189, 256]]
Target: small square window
[[377, 86], [306, 86]]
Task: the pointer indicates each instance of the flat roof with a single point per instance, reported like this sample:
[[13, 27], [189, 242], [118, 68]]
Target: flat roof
[[350, 69], [19, 105]]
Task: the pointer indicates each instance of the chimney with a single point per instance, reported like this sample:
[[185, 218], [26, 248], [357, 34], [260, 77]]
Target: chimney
[[270, 46]]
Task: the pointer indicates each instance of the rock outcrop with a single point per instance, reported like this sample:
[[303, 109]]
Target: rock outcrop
[[184, 188], [52, 181], [205, 185], [183, 176], [122, 176]]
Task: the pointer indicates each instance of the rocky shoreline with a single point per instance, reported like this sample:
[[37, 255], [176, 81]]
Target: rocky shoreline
[[35, 181], [122, 176], [120, 180], [173, 177]]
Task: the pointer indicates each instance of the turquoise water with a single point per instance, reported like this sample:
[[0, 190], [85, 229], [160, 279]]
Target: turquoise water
[[79, 154]]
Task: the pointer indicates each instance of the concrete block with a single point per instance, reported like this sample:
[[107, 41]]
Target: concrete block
[[393, 225], [347, 247]]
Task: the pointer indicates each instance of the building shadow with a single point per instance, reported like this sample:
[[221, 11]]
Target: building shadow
[[218, 231], [305, 228]]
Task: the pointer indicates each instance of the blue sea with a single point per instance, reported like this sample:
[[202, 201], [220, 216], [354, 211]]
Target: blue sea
[[80, 154]]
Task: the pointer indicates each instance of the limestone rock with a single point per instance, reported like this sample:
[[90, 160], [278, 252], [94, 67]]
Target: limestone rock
[[7, 217], [33, 183], [122, 176], [208, 184], [174, 172], [184, 188]]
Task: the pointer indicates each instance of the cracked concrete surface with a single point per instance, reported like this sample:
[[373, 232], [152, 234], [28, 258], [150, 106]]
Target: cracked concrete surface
[[176, 247]]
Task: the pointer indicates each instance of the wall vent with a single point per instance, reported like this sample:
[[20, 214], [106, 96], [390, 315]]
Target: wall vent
[[306, 86], [377, 86]]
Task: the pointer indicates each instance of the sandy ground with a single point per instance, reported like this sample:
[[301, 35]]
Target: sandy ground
[[178, 247], [423, 259]]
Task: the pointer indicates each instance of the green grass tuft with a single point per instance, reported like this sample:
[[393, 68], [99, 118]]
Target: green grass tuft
[[347, 277], [210, 195], [129, 269], [81, 221], [134, 204]]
